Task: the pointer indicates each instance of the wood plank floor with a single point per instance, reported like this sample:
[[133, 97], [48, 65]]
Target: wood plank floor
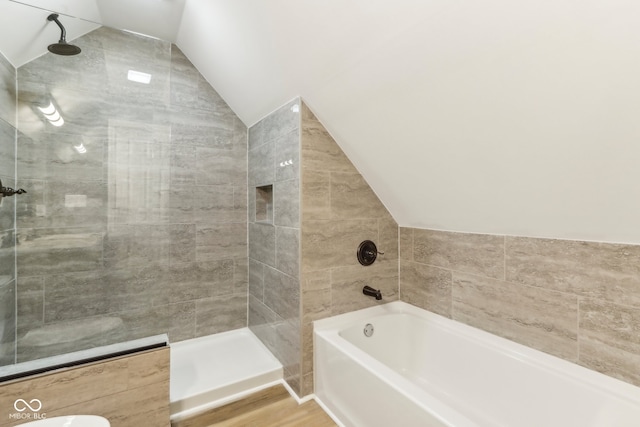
[[273, 407]]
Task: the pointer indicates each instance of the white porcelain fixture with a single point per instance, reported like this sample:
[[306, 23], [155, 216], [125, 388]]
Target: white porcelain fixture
[[70, 421], [396, 364], [210, 371]]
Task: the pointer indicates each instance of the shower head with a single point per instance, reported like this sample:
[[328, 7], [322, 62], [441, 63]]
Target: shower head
[[62, 47]]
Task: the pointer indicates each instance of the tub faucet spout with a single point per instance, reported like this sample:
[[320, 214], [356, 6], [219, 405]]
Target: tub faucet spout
[[368, 290]]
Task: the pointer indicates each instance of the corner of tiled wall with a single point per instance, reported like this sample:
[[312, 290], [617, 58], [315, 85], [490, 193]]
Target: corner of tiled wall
[[573, 299], [339, 211], [274, 239]]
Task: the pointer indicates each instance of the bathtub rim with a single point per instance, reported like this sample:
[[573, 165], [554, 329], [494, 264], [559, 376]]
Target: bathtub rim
[[330, 328], [438, 409]]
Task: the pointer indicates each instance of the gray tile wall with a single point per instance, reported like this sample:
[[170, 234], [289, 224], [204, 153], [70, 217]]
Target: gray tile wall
[[339, 210], [7, 211], [146, 232], [576, 300], [274, 246]]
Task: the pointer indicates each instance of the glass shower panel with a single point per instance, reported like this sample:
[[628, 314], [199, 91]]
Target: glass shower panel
[[7, 211], [134, 223]]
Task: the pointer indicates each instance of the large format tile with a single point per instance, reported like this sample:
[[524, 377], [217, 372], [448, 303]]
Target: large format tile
[[287, 156], [282, 293], [83, 112], [7, 255], [542, 319], [319, 150], [117, 66], [222, 313], [139, 47], [7, 150], [351, 197], [133, 288], [224, 241], [255, 135], [316, 195], [286, 203], [262, 166], [262, 243], [406, 243], [201, 128], [176, 320], [262, 322], [241, 274], [183, 163], [8, 208], [197, 280], [282, 121], [426, 287], [256, 279], [216, 166], [347, 284], [86, 72], [7, 91], [57, 250], [30, 304], [62, 204], [595, 270], [51, 155], [76, 295], [288, 251], [329, 244], [189, 88], [480, 254], [387, 242], [213, 204], [610, 339], [129, 246], [7, 321], [288, 342]]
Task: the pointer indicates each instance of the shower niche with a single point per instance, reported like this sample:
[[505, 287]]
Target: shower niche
[[264, 204]]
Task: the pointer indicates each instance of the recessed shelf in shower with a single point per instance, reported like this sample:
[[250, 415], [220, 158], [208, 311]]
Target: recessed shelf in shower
[[264, 204]]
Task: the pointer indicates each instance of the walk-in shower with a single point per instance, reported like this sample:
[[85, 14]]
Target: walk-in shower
[[133, 223]]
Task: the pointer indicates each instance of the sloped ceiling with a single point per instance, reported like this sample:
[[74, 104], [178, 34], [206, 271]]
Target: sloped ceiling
[[492, 117], [25, 32]]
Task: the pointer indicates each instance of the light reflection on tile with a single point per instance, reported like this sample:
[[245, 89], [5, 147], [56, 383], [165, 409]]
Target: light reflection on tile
[[154, 232]]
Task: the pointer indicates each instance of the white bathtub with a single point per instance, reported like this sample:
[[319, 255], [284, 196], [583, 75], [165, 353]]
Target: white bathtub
[[216, 369], [421, 369]]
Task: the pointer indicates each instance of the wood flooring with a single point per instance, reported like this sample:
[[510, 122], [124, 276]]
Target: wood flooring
[[273, 407]]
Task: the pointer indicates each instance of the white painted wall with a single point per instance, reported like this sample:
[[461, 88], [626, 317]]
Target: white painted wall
[[490, 117], [493, 117]]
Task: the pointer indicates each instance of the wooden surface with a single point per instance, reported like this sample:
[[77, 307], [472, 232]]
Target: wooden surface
[[273, 407], [130, 391]]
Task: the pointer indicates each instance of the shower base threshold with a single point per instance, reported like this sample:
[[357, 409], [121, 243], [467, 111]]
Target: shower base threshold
[[214, 370]]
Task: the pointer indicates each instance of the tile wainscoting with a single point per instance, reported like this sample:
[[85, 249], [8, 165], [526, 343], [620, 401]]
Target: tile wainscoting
[[573, 299]]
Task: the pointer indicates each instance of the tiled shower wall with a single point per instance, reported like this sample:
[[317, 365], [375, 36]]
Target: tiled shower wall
[[7, 211], [339, 210], [322, 210], [576, 300], [145, 231], [274, 248]]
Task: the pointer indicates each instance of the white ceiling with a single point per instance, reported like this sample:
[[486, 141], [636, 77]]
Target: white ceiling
[[494, 117], [25, 32]]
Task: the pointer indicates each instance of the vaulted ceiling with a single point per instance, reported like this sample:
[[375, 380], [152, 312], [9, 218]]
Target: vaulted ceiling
[[493, 117]]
